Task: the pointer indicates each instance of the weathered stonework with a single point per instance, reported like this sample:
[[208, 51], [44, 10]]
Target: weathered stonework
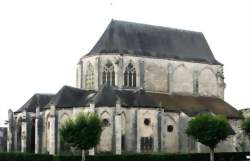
[[161, 75], [147, 109], [37, 136], [3, 139]]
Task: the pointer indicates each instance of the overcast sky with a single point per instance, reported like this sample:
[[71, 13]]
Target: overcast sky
[[42, 41]]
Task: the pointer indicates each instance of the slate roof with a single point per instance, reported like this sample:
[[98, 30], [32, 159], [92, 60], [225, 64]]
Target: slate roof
[[71, 97], [153, 41], [194, 105], [128, 98], [36, 100], [68, 97]]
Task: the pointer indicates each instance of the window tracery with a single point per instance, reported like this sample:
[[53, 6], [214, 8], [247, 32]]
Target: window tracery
[[89, 82], [108, 75], [130, 76]]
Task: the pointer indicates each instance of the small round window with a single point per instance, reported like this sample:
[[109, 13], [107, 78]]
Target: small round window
[[105, 122], [146, 121], [170, 128]]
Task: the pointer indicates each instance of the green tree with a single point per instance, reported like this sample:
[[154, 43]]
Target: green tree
[[209, 130], [83, 132], [246, 126]]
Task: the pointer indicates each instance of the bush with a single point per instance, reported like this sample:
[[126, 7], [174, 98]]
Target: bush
[[83, 132], [231, 156], [209, 130]]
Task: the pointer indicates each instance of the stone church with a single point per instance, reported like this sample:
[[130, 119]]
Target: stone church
[[145, 82]]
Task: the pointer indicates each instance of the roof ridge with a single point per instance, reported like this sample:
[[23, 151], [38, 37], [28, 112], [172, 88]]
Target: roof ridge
[[155, 26], [76, 88], [44, 94]]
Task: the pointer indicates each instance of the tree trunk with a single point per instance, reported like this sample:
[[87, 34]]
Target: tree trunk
[[83, 155], [211, 154]]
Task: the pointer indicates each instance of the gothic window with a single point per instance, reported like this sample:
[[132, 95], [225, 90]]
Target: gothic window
[[108, 75], [48, 133], [196, 87], [123, 123], [89, 82], [32, 134], [18, 134], [123, 142], [147, 144], [130, 76]]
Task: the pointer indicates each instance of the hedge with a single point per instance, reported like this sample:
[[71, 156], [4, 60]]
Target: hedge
[[25, 157], [233, 156]]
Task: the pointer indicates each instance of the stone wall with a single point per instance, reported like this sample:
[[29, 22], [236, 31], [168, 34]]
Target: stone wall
[[246, 139], [107, 137], [170, 132], [132, 124], [3, 139], [187, 144], [21, 132], [126, 130], [158, 75]]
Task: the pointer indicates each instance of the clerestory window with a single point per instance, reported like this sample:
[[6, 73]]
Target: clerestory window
[[130, 76], [89, 82], [108, 75], [196, 87]]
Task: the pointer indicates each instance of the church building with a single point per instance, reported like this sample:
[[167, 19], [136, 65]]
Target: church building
[[145, 82]]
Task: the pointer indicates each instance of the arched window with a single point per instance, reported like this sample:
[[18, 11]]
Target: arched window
[[89, 82], [48, 129], [108, 75], [32, 135], [130, 76], [18, 134], [196, 86]]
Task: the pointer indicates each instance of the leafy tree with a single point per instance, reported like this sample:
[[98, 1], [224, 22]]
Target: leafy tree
[[83, 132], [246, 127], [209, 130]]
